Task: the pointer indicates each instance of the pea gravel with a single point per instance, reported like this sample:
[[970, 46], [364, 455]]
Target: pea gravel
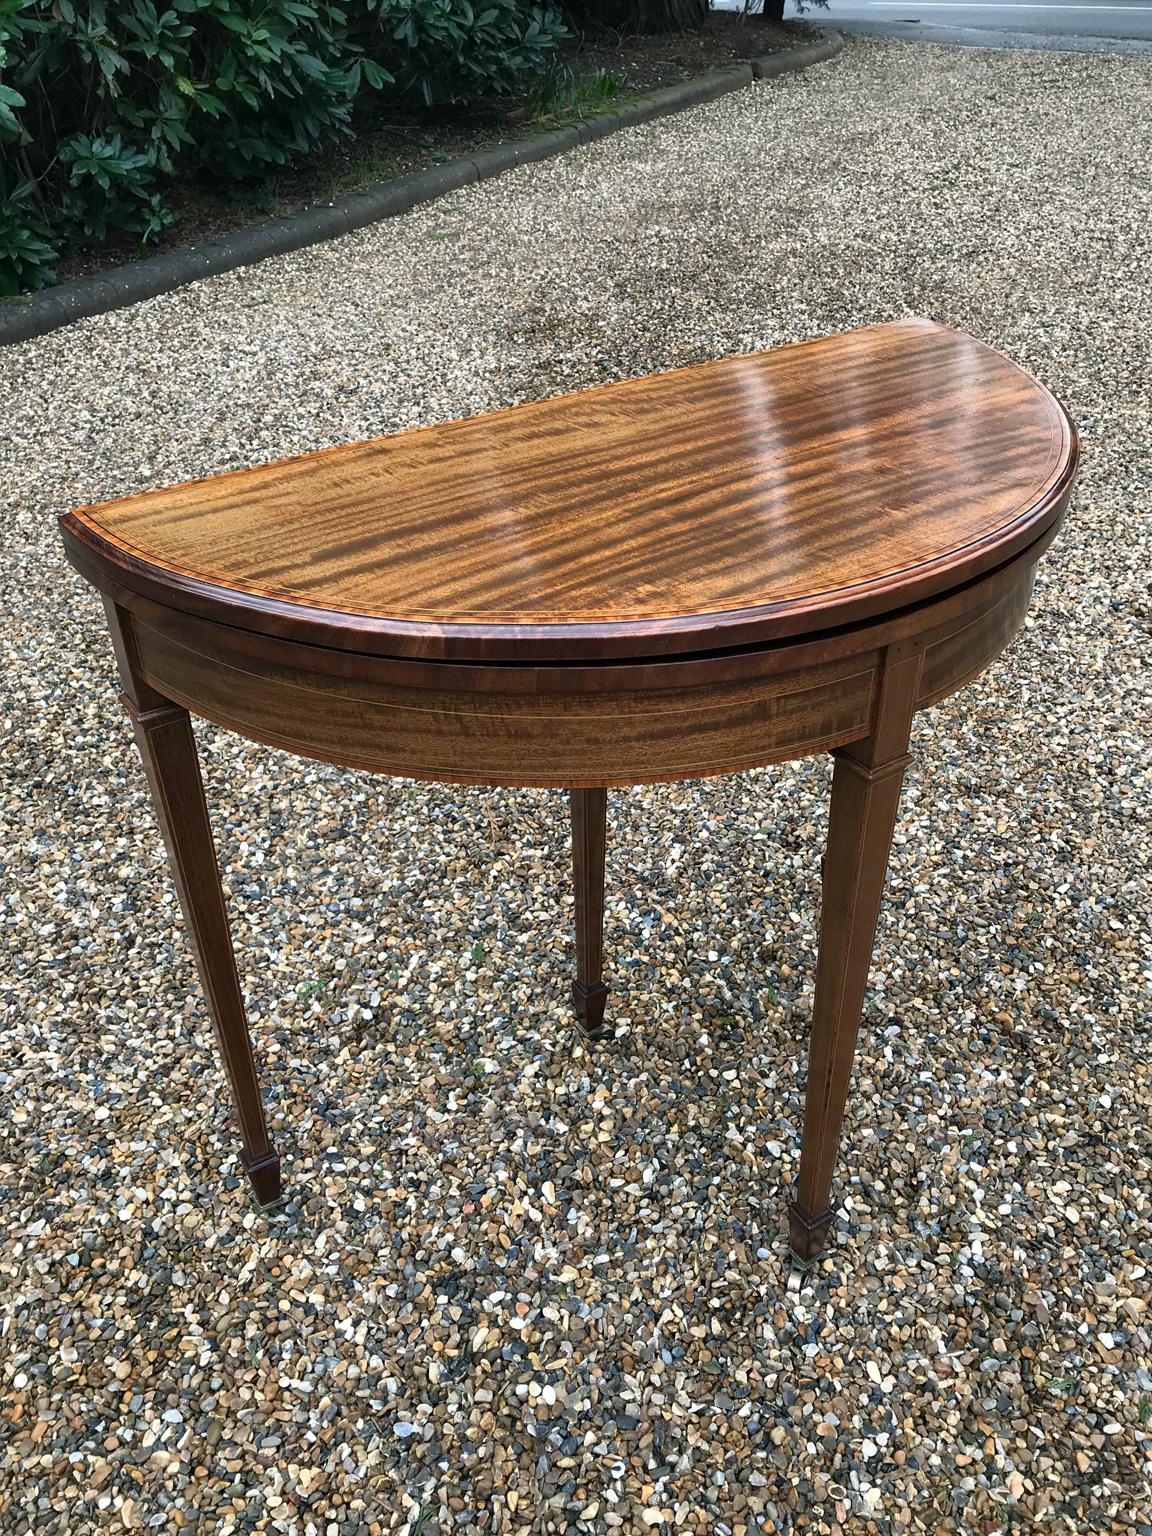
[[521, 1288]]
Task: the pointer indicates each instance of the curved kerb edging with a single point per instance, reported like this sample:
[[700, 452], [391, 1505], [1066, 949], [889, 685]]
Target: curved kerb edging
[[120, 286]]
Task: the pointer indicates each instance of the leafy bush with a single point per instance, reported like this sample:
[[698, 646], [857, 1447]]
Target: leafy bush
[[27, 245], [103, 105], [448, 51]]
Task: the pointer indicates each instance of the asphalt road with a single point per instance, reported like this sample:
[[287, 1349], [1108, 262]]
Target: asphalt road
[[1119, 19]]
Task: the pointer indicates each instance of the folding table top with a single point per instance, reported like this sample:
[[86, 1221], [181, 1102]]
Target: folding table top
[[735, 502]]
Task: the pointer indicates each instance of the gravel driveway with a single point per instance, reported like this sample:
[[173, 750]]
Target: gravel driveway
[[522, 1288]]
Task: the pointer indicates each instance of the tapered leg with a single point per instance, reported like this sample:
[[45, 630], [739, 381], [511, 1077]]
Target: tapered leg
[[589, 825], [168, 748], [865, 793]]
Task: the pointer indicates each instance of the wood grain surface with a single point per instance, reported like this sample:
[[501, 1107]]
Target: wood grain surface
[[731, 503]]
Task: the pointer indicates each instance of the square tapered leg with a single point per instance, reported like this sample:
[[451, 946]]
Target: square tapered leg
[[168, 750], [589, 808], [865, 795]]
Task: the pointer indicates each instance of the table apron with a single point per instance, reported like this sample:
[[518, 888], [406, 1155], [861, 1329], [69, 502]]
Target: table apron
[[772, 706]]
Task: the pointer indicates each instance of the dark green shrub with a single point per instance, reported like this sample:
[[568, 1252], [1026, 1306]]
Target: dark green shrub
[[27, 246], [448, 51], [103, 104]]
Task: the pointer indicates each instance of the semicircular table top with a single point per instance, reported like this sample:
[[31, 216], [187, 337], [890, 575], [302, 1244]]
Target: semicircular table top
[[741, 501]]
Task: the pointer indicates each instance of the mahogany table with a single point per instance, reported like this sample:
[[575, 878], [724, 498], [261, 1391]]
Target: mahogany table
[[694, 573]]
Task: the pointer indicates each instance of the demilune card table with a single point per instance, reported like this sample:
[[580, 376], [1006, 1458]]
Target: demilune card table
[[693, 573]]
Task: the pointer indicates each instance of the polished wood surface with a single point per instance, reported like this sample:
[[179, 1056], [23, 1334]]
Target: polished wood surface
[[543, 600], [734, 502]]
